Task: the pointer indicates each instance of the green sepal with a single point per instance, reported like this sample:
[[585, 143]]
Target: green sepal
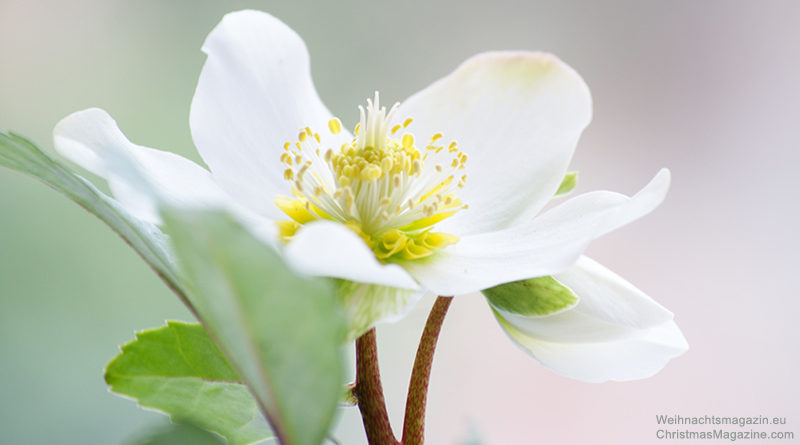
[[567, 184], [532, 297], [177, 369], [367, 304]]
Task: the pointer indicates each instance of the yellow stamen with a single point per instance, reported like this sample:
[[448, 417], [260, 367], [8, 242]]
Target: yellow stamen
[[370, 184], [335, 125]]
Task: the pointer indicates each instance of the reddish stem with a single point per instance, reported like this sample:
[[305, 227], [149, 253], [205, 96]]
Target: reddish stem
[[369, 392], [414, 423]]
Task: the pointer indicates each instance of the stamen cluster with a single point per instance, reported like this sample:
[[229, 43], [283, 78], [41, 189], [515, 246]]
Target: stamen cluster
[[381, 186]]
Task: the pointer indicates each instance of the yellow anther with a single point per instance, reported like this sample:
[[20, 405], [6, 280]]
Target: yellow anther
[[368, 185], [408, 140], [417, 167], [371, 172], [335, 126]]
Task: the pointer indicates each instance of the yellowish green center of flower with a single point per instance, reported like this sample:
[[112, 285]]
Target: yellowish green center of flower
[[379, 184]]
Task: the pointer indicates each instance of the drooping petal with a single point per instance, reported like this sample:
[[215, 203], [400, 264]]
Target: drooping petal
[[631, 358], [547, 245], [139, 177], [518, 117], [606, 296], [615, 332], [368, 304], [609, 308], [329, 249], [254, 94]]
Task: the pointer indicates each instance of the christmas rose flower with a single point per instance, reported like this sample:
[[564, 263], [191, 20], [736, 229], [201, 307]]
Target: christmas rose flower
[[442, 193]]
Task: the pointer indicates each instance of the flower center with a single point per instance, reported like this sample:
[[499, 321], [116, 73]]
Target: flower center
[[379, 184]]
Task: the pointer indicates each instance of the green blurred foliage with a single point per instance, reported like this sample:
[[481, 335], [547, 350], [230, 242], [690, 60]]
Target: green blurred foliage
[[177, 369]]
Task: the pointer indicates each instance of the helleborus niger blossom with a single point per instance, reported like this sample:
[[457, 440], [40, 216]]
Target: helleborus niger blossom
[[442, 193]]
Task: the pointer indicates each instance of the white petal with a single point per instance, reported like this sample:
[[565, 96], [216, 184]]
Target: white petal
[[609, 308], [547, 245], [140, 178], [254, 94], [518, 117], [631, 358], [329, 249], [606, 296], [368, 304]]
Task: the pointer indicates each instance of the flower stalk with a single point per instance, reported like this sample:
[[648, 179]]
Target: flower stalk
[[414, 422], [369, 392]]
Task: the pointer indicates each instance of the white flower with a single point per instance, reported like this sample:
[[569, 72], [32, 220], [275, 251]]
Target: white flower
[[443, 193]]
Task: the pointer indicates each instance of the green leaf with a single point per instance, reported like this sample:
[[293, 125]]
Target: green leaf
[[179, 370], [567, 184], [178, 434], [532, 297], [17, 153], [282, 332]]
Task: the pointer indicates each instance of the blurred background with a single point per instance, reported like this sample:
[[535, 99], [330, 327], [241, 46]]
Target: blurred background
[[708, 89]]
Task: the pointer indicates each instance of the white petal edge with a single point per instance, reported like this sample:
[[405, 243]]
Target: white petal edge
[[518, 116], [609, 308], [632, 358], [254, 94], [329, 249], [141, 178], [548, 244]]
